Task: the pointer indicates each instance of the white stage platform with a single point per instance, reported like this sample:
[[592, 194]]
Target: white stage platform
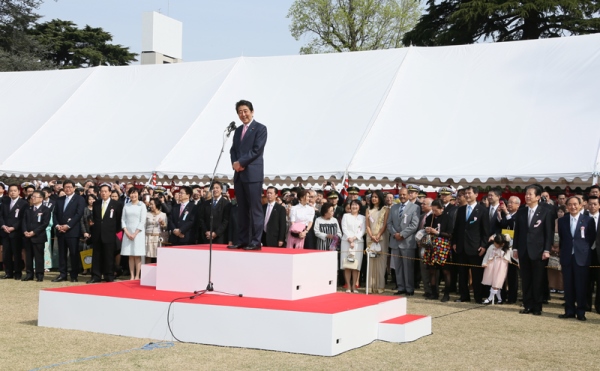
[[324, 324]]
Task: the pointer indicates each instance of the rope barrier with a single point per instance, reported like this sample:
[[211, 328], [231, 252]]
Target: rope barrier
[[366, 251]]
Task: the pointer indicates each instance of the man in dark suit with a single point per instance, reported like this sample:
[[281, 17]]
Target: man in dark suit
[[577, 234], [220, 209], [469, 241], [11, 216], [594, 208], [246, 153], [106, 216], [181, 220], [509, 210], [534, 234], [67, 216], [35, 221], [275, 222], [494, 199]]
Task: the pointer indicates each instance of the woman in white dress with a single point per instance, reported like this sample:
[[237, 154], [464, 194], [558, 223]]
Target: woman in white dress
[[353, 229], [302, 213], [134, 233]]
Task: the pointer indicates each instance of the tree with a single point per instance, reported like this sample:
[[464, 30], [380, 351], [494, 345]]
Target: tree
[[452, 22], [352, 25], [19, 51], [71, 47]]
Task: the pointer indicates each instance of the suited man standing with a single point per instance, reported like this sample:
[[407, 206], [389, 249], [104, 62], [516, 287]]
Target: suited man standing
[[469, 242], [403, 225], [534, 235], [11, 215], [106, 219], [221, 209], [35, 221], [67, 217], [275, 222], [577, 233], [181, 220], [508, 222], [594, 208], [246, 153], [494, 201]]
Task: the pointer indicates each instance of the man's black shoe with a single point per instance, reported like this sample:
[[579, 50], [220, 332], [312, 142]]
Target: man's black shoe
[[252, 247], [93, 281], [59, 279], [566, 316], [240, 246]]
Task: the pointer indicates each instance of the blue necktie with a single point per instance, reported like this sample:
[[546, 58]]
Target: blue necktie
[[469, 209], [401, 210], [214, 203], [66, 203]]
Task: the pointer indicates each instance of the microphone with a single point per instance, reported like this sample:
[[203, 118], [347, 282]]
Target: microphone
[[230, 128]]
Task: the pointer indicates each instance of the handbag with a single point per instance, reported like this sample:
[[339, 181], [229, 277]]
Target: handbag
[[426, 240], [350, 262], [296, 228]]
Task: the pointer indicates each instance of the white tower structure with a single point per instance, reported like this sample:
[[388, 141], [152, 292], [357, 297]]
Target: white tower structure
[[161, 39]]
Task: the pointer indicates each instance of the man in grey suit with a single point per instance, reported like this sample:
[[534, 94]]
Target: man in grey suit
[[403, 225]]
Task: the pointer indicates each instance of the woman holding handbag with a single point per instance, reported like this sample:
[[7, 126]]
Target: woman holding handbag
[[327, 229], [376, 220], [439, 228], [301, 219], [353, 229]]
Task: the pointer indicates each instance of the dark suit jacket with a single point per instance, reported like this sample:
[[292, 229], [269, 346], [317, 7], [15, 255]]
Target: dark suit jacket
[[536, 238], [183, 222], [249, 152], [221, 212], [276, 226], [37, 222], [582, 246], [12, 217], [71, 216], [105, 229], [470, 235], [494, 224]]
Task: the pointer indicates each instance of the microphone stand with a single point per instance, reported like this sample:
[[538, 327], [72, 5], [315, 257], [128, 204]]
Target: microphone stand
[[209, 287]]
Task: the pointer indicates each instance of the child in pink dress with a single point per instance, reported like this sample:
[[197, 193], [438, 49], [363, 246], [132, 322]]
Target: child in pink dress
[[496, 262]]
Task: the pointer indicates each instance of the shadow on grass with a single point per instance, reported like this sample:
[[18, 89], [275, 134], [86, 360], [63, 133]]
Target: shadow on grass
[[33, 322]]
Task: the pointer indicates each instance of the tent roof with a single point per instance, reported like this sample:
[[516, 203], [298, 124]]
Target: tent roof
[[497, 113]]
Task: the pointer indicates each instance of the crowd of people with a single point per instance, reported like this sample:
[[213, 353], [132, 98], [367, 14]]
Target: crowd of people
[[488, 246]]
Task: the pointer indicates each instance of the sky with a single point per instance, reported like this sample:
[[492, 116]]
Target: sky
[[212, 29]]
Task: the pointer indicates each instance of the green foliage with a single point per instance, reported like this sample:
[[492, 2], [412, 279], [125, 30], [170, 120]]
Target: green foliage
[[19, 51], [26, 45], [352, 25], [452, 22], [71, 47]]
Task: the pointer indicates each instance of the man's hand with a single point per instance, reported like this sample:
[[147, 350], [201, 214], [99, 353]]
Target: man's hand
[[398, 236], [280, 243], [546, 255], [481, 251], [454, 247], [237, 167], [515, 254]]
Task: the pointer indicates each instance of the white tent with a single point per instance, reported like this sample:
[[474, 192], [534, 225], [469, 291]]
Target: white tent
[[501, 113]]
